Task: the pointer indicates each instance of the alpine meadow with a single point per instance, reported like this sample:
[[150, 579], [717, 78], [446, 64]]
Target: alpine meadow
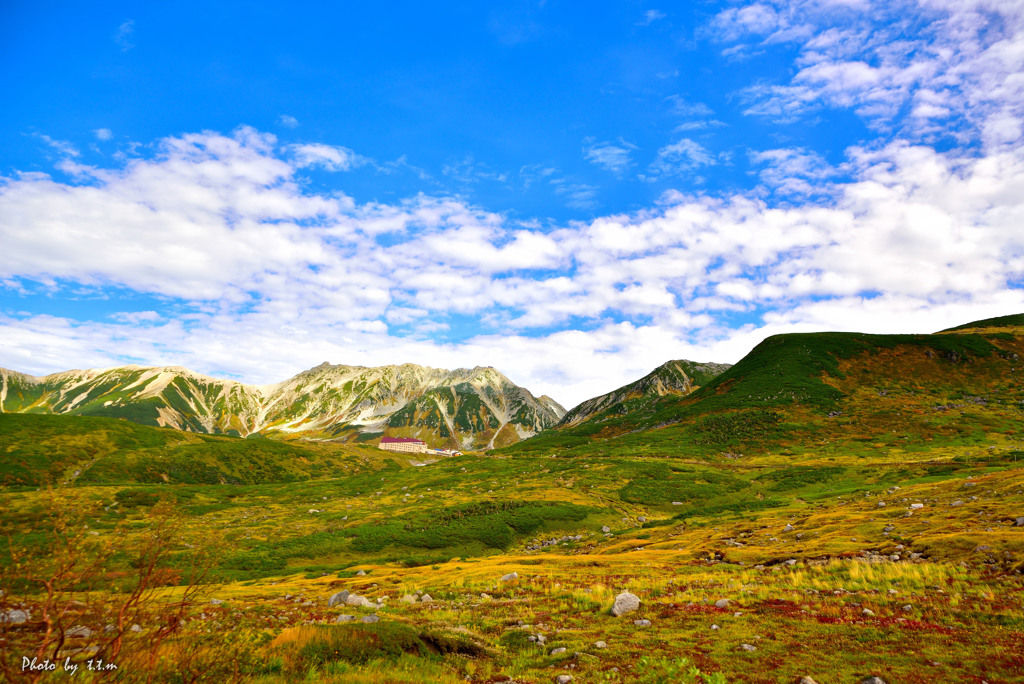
[[521, 342]]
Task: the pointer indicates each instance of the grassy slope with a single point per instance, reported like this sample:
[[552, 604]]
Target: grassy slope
[[698, 511]]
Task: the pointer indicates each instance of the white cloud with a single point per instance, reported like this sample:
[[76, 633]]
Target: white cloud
[[906, 238], [103, 134], [124, 35], [288, 121], [614, 158], [651, 16], [329, 157], [683, 156]]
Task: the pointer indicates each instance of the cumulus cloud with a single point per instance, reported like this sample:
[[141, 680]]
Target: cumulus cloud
[[288, 121], [103, 134], [651, 16], [329, 157], [683, 156], [614, 158]]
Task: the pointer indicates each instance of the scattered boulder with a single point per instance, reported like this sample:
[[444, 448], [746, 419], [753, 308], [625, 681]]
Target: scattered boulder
[[345, 618], [339, 598], [357, 600], [916, 506], [78, 631], [747, 647], [791, 562], [510, 576], [606, 529], [908, 608], [370, 618], [563, 679], [722, 603], [872, 680], [880, 504], [135, 628], [715, 627], [806, 680], [677, 503], [216, 601], [600, 644], [15, 617], [426, 598], [1019, 522], [642, 623], [361, 573], [557, 651], [625, 602], [408, 598], [867, 612], [788, 528]]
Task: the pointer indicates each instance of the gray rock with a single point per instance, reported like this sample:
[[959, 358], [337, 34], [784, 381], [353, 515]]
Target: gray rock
[[15, 617], [600, 644], [642, 623], [641, 518], [625, 603], [867, 612], [791, 561], [361, 573], [606, 529], [541, 638], [1019, 522], [748, 648], [135, 628], [957, 503], [216, 601], [78, 631], [408, 598], [563, 679], [426, 598], [510, 576], [715, 627], [722, 603], [677, 503], [370, 618], [872, 680], [806, 680], [556, 651], [345, 618], [908, 608], [880, 504], [357, 600], [788, 528], [339, 598]]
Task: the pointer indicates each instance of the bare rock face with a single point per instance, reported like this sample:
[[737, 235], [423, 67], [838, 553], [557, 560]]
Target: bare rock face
[[625, 603]]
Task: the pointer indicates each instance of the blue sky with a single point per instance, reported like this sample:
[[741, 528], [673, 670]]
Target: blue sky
[[572, 196]]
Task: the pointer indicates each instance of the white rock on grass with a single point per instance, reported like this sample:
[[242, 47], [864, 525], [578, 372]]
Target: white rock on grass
[[339, 598], [642, 623], [748, 648], [557, 651], [600, 644], [625, 602], [722, 603], [15, 617], [426, 598], [563, 679], [408, 598], [345, 618], [510, 576]]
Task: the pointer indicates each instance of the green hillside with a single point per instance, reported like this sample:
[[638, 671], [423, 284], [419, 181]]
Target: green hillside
[[806, 388], [44, 449]]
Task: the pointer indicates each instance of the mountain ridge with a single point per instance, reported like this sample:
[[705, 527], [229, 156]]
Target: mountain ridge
[[463, 408]]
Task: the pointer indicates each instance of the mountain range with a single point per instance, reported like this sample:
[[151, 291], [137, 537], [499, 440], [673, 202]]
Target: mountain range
[[476, 408]]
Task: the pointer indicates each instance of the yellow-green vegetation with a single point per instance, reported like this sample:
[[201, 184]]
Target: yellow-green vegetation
[[880, 532]]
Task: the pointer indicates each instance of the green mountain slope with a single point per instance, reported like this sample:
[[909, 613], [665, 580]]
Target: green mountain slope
[[82, 450], [832, 387]]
